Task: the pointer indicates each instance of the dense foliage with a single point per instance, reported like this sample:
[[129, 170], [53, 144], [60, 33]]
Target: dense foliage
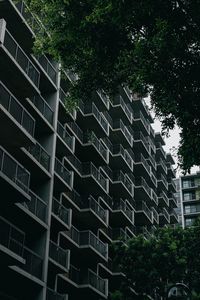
[[151, 46], [151, 266]]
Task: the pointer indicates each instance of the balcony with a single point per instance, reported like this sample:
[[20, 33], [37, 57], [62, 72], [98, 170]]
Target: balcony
[[164, 217], [121, 158], [34, 263], [152, 161], [121, 214], [16, 119], [120, 109], [36, 206], [21, 71], [142, 168], [141, 143], [141, 122], [88, 281], [142, 189], [62, 216], [163, 199], [49, 74], [104, 98], [120, 134], [11, 243], [63, 178], [121, 183], [162, 183], [65, 142], [93, 145], [159, 151], [119, 234], [172, 200], [143, 215], [92, 117], [53, 295], [63, 100], [59, 257], [42, 112], [144, 231], [86, 211], [87, 244], [171, 171], [174, 217], [171, 185], [161, 166], [14, 178], [155, 216], [40, 155]]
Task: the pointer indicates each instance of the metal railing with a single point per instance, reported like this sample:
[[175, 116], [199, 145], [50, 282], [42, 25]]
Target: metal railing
[[63, 98], [27, 15], [21, 58], [49, 69], [75, 162], [138, 135], [11, 237], [14, 171], [118, 149], [165, 198], [160, 147], [59, 255], [65, 136], [87, 238], [120, 234], [40, 154], [154, 197], [91, 138], [165, 213], [76, 130], [61, 211], [18, 112], [141, 206], [53, 295], [90, 169], [119, 101], [140, 181], [145, 163], [118, 124], [34, 263], [161, 162], [164, 180], [139, 115], [121, 205], [121, 177], [43, 107], [98, 209], [103, 97], [155, 214], [36, 206], [63, 172], [97, 282]]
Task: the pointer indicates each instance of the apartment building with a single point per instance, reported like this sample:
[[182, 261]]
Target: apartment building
[[71, 183], [189, 195]]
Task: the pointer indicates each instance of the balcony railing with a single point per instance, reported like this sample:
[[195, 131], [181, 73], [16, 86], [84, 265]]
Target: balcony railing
[[141, 206], [65, 136], [21, 58], [14, 171], [18, 112], [27, 15], [90, 108], [103, 97], [165, 198], [118, 149], [139, 115], [161, 162], [118, 124], [121, 205], [49, 69], [63, 172], [37, 206], [145, 163], [91, 138], [155, 214], [160, 147], [165, 213], [59, 255], [43, 107], [164, 180], [120, 234], [40, 154], [119, 101], [140, 181], [121, 177], [34, 263], [11, 237], [53, 295], [139, 136], [61, 211], [154, 197], [88, 238], [91, 170]]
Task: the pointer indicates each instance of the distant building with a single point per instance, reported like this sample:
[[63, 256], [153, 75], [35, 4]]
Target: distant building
[[189, 197]]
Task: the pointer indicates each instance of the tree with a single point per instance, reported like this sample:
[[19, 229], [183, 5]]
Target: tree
[[170, 256], [151, 46]]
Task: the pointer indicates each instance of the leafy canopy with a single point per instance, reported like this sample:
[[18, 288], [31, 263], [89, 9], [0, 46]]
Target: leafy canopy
[[151, 46], [151, 266]]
